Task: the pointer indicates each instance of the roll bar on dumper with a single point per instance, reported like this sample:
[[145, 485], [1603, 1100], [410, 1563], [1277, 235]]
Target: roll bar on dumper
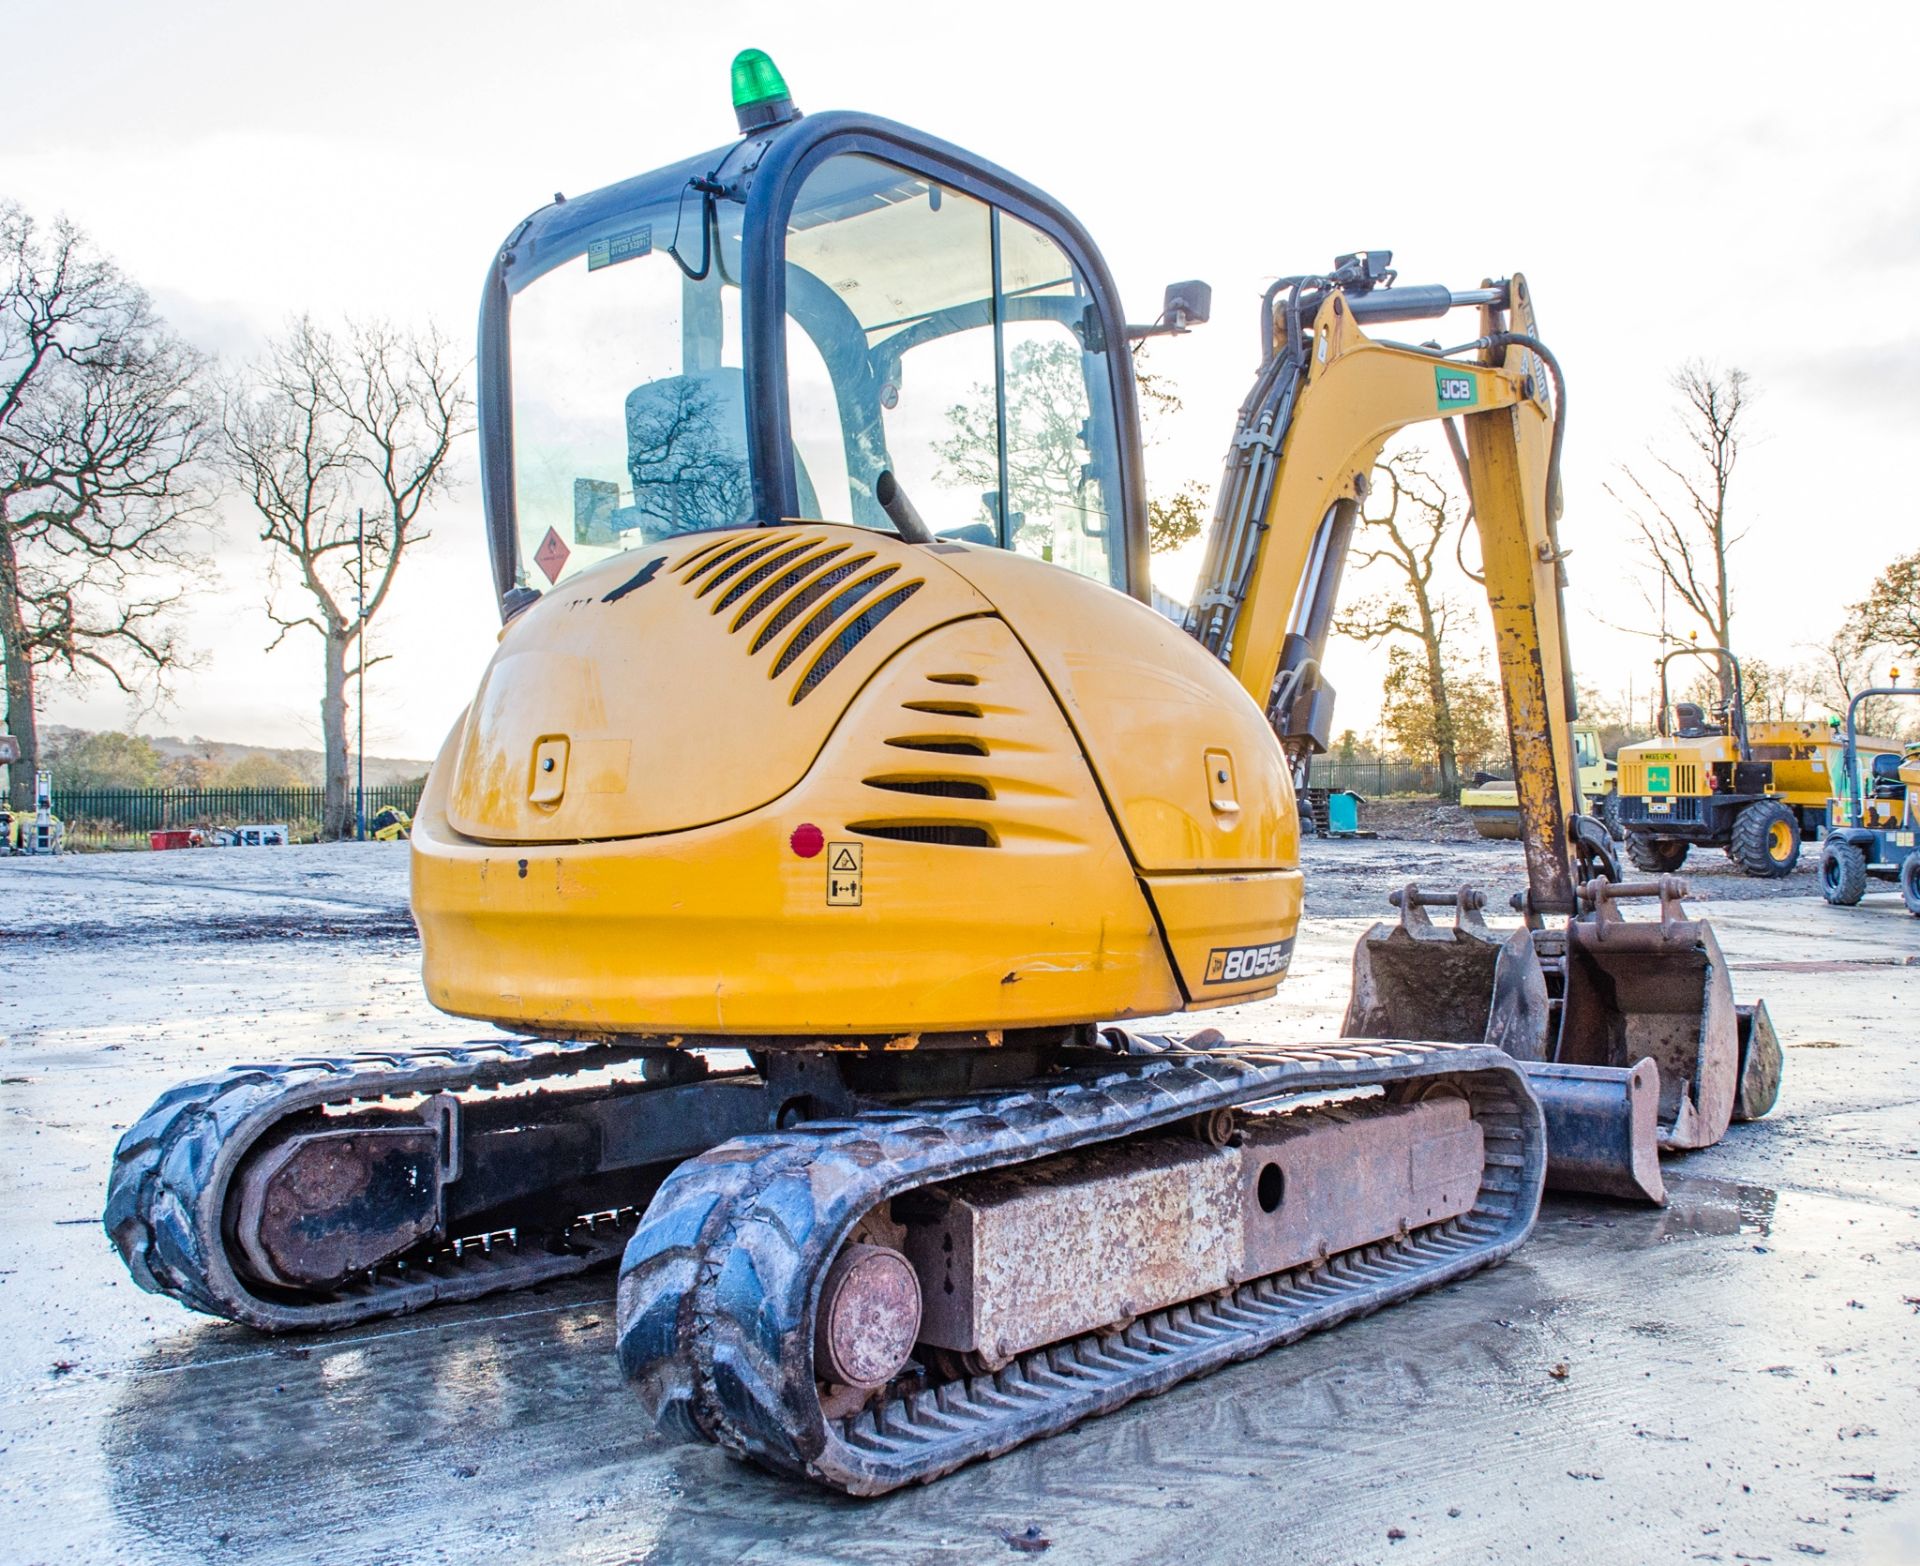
[[1876, 834], [1733, 711]]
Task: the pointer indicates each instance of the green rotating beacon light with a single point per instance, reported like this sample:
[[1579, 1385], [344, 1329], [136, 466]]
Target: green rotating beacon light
[[760, 96]]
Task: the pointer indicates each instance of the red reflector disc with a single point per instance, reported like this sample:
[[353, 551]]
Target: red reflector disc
[[807, 840]]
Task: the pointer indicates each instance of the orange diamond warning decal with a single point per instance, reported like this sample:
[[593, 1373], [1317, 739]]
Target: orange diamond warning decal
[[552, 555]]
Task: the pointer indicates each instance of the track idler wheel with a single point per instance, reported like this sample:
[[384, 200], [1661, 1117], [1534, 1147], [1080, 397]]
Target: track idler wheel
[[868, 1318], [315, 1207]]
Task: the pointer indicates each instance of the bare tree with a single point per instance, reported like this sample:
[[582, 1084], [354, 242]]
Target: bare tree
[[686, 475], [1682, 517], [1047, 414], [324, 429], [1419, 517], [1889, 615], [103, 426], [1841, 670]]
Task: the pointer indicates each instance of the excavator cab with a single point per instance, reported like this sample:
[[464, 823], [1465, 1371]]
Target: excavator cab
[[827, 320]]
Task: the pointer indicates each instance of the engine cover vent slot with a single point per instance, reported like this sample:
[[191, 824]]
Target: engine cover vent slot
[[706, 549], [940, 744], [946, 709], [950, 834], [703, 561], [761, 571], [938, 788], [809, 595], [739, 563], [854, 632], [783, 583], [953, 679], [825, 616]]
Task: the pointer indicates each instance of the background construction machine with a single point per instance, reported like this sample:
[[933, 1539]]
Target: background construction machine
[[1495, 806], [811, 863], [1876, 826], [1758, 790]]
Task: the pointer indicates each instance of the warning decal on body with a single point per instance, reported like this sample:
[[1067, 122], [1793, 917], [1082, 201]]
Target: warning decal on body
[[844, 863], [1238, 964]]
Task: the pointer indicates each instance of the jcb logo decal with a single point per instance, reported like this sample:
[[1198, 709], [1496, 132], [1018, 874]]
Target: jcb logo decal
[[1237, 964], [1455, 390]]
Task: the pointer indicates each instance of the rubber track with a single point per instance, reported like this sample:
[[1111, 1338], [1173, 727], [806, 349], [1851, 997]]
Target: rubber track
[[167, 1194], [719, 1283]]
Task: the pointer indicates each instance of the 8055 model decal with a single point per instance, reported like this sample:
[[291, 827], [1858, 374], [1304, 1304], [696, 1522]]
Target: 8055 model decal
[[1237, 964]]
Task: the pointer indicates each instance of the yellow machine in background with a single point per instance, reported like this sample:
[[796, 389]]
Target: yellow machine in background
[[1495, 808], [1757, 789], [1875, 834], [834, 791]]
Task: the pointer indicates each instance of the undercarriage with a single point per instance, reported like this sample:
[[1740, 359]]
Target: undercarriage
[[837, 1274]]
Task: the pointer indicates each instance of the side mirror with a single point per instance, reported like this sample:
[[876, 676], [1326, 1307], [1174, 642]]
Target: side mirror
[[1187, 304]]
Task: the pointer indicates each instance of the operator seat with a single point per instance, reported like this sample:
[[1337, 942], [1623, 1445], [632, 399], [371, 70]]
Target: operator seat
[[1886, 777], [1690, 720]]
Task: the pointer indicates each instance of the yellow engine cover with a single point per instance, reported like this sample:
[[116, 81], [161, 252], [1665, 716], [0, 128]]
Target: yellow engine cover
[[813, 784]]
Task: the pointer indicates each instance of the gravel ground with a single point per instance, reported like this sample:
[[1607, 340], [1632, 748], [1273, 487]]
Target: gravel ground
[[1731, 1379]]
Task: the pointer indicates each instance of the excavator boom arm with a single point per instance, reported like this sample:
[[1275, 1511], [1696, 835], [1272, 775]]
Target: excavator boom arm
[[1328, 399]]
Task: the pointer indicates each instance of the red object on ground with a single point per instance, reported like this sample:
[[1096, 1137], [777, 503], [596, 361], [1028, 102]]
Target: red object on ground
[[178, 839], [807, 840]]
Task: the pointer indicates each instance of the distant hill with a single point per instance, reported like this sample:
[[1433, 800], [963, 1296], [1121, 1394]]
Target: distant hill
[[380, 769]]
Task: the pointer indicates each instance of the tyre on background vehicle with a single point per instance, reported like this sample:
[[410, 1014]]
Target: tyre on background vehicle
[[1766, 840], [1662, 854], [1843, 874], [1609, 813], [1910, 884]]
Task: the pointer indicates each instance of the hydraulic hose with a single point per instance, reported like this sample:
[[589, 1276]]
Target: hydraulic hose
[[1533, 344]]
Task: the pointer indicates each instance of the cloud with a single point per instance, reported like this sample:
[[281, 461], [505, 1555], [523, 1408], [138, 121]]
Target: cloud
[[1881, 377]]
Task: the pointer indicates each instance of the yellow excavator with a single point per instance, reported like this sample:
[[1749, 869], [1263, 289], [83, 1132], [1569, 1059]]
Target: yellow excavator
[[834, 798]]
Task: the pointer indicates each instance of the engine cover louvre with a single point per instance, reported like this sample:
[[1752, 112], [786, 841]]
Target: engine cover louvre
[[630, 667]]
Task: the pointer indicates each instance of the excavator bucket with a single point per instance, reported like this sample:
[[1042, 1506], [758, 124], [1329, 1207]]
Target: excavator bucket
[[1628, 1029], [1659, 991], [1602, 1134], [1466, 984], [1760, 1062]]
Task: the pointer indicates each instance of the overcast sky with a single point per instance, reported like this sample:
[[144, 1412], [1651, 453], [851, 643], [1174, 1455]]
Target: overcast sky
[[1739, 182]]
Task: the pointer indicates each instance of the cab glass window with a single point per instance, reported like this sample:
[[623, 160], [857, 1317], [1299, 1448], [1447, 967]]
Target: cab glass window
[[936, 339], [629, 408]]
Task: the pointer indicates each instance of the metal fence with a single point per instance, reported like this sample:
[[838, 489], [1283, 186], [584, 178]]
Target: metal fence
[[1374, 779], [124, 817]]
